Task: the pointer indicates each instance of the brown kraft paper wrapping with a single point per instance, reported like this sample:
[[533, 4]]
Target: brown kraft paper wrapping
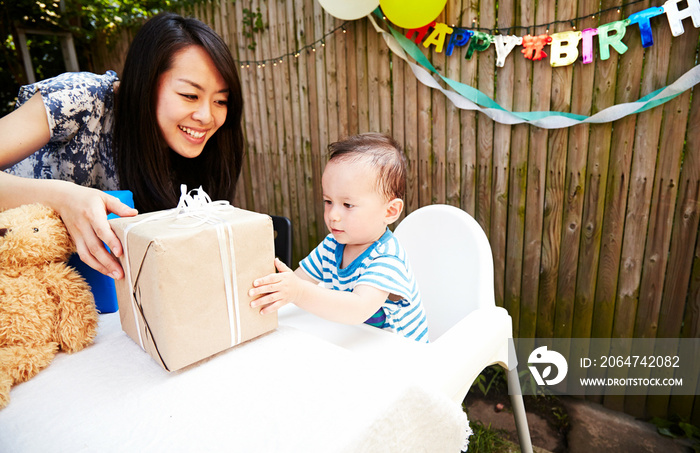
[[179, 282]]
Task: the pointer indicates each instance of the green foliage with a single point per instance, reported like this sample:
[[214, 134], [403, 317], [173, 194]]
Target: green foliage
[[85, 19], [529, 385], [485, 439], [252, 23], [490, 377], [677, 427]]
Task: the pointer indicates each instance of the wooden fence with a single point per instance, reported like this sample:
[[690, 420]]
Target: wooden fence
[[593, 227]]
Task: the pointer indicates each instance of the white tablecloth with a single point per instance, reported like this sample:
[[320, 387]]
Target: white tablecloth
[[287, 391]]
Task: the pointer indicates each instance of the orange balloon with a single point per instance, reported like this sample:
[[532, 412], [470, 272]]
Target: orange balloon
[[412, 13]]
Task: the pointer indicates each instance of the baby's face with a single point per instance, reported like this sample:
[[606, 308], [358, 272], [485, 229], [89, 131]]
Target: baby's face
[[354, 212]]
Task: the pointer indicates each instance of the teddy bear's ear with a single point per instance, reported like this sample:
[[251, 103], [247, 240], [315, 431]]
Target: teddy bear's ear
[[39, 235]]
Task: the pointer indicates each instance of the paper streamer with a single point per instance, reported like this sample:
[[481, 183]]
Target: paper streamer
[[468, 98]]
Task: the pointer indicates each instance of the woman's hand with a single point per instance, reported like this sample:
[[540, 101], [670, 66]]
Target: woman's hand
[[84, 212]]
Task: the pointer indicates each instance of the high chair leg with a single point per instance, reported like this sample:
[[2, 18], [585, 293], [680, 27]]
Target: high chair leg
[[516, 400]]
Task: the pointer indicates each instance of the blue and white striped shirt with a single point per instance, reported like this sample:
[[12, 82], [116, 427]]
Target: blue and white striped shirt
[[384, 266]]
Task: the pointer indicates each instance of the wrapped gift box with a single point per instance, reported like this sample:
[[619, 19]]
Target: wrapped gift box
[[187, 275]]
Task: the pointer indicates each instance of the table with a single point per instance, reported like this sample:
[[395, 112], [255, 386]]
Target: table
[[286, 391]]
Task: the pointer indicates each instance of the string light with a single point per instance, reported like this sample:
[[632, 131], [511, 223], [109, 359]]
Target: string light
[[505, 31], [309, 48], [548, 26]]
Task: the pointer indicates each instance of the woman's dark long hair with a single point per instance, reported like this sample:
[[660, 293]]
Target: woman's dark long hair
[[153, 172]]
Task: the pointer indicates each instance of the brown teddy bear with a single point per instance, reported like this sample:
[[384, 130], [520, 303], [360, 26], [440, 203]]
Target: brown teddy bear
[[44, 304]]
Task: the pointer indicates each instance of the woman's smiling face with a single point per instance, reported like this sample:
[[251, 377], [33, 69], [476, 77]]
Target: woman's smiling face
[[192, 102]]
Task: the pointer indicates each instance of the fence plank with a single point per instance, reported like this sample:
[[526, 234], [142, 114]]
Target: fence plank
[[691, 319], [518, 178], [453, 163], [629, 78], [597, 170], [411, 143], [672, 137], [353, 79], [278, 152], [439, 141], [264, 93], [536, 172], [425, 139], [493, 217], [333, 82], [561, 90], [373, 68], [363, 83], [485, 126], [627, 90], [251, 117]]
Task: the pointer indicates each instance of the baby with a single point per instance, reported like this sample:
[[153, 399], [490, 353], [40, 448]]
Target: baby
[[363, 269]]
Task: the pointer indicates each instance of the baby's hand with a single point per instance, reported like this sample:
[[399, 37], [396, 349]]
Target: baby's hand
[[276, 290]]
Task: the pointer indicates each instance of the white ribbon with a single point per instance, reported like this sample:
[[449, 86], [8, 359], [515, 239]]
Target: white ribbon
[[197, 205]]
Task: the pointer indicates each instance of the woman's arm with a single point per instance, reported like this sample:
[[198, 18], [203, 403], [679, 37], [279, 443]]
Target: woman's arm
[[83, 210], [23, 131]]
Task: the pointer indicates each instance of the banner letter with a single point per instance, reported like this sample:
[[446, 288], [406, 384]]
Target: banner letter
[[480, 41], [642, 18], [606, 40], [419, 32], [588, 35], [533, 46], [675, 17], [459, 38], [564, 48], [437, 37], [504, 45]]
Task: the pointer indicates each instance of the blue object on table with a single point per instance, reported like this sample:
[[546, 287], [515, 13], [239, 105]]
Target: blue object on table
[[102, 286]]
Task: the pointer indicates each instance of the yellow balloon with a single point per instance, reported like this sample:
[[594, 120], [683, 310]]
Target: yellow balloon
[[412, 13], [349, 10]]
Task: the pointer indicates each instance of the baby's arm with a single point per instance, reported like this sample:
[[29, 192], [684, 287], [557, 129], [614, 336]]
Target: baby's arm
[[277, 290]]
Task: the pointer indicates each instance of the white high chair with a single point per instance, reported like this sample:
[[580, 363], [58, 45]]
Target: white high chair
[[452, 261]]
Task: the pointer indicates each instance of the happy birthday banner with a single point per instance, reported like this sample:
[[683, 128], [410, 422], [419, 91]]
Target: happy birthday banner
[[564, 45], [411, 14]]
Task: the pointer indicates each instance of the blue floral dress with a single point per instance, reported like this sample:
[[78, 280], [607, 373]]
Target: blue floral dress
[[80, 111]]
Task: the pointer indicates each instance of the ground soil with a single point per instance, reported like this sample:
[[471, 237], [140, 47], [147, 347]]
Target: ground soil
[[566, 424], [547, 418]]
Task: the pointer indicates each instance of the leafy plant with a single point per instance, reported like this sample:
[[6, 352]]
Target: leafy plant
[[488, 378], [677, 427], [486, 439], [529, 383], [252, 24]]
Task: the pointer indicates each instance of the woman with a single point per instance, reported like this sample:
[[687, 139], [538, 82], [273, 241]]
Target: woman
[[174, 117]]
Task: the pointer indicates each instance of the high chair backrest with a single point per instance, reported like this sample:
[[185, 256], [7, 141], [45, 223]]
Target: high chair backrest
[[452, 261]]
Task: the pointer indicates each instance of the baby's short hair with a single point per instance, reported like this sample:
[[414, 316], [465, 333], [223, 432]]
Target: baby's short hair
[[381, 152]]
